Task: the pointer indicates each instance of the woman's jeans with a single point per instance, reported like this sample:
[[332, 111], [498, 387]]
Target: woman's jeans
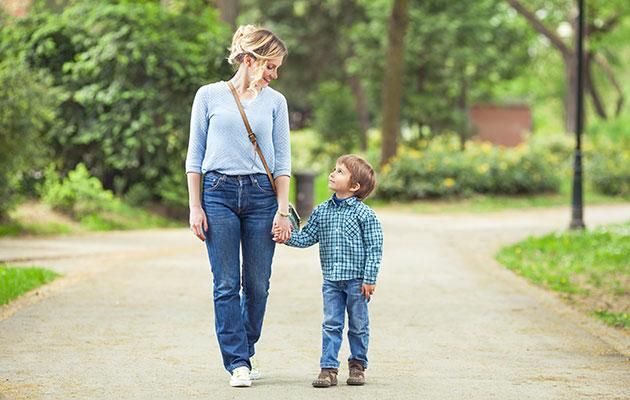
[[240, 212], [340, 296]]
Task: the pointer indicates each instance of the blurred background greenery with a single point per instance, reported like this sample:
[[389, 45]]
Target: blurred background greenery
[[96, 99]]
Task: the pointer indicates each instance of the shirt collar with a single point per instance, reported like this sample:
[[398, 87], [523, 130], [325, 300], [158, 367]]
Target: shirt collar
[[350, 201]]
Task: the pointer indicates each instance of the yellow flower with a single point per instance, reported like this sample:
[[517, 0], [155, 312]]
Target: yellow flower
[[486, 147], [448, 182], [483, 168]]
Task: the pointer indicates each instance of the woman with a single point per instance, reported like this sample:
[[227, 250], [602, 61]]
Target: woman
[[232, 202]]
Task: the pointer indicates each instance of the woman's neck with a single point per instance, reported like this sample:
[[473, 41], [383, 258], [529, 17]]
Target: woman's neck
[[241, 82]]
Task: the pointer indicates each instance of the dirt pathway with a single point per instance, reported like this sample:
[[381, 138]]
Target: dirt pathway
[[132, 319]]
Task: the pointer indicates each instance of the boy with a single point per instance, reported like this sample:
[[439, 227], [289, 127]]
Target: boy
[[351, 246]]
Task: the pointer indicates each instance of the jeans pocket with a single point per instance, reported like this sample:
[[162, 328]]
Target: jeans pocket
[[263, 184], [212, 181]]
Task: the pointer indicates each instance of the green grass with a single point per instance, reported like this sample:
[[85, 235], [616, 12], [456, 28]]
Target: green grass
[[17, 281], [123, 217], [590, 267], [119, 216], [18, 229], [619, 320]]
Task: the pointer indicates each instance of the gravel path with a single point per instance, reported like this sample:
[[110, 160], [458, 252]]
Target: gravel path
[[132, 319]]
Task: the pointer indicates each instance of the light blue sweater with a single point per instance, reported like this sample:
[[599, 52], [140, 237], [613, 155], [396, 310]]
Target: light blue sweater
[[218, 137]]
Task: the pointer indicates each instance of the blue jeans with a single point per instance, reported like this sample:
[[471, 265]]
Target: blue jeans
[[340, 296], [240, 212]]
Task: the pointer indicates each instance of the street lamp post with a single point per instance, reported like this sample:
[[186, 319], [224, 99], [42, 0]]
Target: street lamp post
[[577, 212]]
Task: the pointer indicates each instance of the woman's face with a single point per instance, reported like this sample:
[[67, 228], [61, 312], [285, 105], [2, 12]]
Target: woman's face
[[270, 72]]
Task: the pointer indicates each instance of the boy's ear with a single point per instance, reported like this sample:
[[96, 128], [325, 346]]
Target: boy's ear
[[355, 187]]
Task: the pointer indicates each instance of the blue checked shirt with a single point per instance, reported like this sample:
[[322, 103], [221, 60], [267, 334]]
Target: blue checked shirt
[[350, 240]]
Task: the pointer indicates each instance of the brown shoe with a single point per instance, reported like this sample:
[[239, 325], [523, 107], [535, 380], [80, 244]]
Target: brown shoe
[[357, 375], [326, 378]]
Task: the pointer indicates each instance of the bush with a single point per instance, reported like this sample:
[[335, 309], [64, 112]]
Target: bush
[[78, 195], [442, 169], [26, 111], [608, 168]]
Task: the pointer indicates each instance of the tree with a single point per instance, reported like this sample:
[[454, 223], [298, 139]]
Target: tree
[[27, 110], [127, 73], [602, 17], [392, 84], [229, 11]]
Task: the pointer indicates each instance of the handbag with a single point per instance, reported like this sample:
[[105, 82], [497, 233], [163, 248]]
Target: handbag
[[294, 217]]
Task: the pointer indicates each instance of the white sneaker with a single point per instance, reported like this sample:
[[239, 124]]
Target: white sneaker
[[240, 377], [254, 374]]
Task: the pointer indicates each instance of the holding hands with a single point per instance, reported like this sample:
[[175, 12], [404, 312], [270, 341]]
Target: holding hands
[[281, 229]]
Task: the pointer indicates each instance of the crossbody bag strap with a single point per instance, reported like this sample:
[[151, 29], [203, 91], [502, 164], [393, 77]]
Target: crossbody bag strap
[[251, 135]]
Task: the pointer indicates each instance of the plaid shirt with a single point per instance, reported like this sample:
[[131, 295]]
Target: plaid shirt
[[350, 240]]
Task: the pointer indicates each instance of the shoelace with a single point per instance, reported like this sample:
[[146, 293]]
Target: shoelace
[[241, 374]]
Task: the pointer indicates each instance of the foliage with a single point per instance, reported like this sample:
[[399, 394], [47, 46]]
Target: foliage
[[455, 53], [589, 265], [317, 35], [26, 111], [441, 169], [608, 168], [83, 197], [128, 72], [619, 320], [78, 195], [15, 281], [334, 116]]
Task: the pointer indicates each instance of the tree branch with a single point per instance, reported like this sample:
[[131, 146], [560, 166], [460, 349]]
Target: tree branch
[[603, 63], [592, 89], [540, 27], [605, 28]]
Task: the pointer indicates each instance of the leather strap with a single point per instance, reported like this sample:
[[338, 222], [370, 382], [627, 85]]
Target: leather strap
[[251, 135]]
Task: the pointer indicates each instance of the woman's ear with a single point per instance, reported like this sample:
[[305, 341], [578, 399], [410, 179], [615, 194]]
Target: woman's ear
[[249, 60]]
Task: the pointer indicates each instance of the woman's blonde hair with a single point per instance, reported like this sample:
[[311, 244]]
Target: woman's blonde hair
[[260, 43]]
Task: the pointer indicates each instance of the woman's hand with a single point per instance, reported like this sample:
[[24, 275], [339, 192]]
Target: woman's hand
[[198, 222], [281, 229]]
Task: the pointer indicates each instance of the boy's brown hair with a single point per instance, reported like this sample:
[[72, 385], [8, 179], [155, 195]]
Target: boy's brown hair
[[361, 172]]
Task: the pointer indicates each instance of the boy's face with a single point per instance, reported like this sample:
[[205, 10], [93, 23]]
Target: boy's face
[[339, 181]]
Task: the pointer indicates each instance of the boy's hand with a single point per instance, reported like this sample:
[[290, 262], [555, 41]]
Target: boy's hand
[[367, 290], [277, 235]]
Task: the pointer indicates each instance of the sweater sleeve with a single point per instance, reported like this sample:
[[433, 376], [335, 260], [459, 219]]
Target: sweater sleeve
[[198, 132], [281, 139]]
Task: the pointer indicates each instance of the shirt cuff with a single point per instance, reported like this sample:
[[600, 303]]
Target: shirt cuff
[[369, 280], [283, 172]]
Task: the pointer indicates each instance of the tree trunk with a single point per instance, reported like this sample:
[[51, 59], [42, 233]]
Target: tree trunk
[[362, 109], [462, 105], [229, 11], [392, 85]]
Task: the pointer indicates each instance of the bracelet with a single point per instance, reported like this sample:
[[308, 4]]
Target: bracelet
[[280, 213]]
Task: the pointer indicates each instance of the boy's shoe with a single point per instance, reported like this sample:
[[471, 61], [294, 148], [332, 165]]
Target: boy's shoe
[[357, 374], [326, 378], [254, 373], [240, 377]]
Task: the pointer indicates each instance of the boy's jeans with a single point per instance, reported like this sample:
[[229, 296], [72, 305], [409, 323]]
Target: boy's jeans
[[339, 296], [240, 211]]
